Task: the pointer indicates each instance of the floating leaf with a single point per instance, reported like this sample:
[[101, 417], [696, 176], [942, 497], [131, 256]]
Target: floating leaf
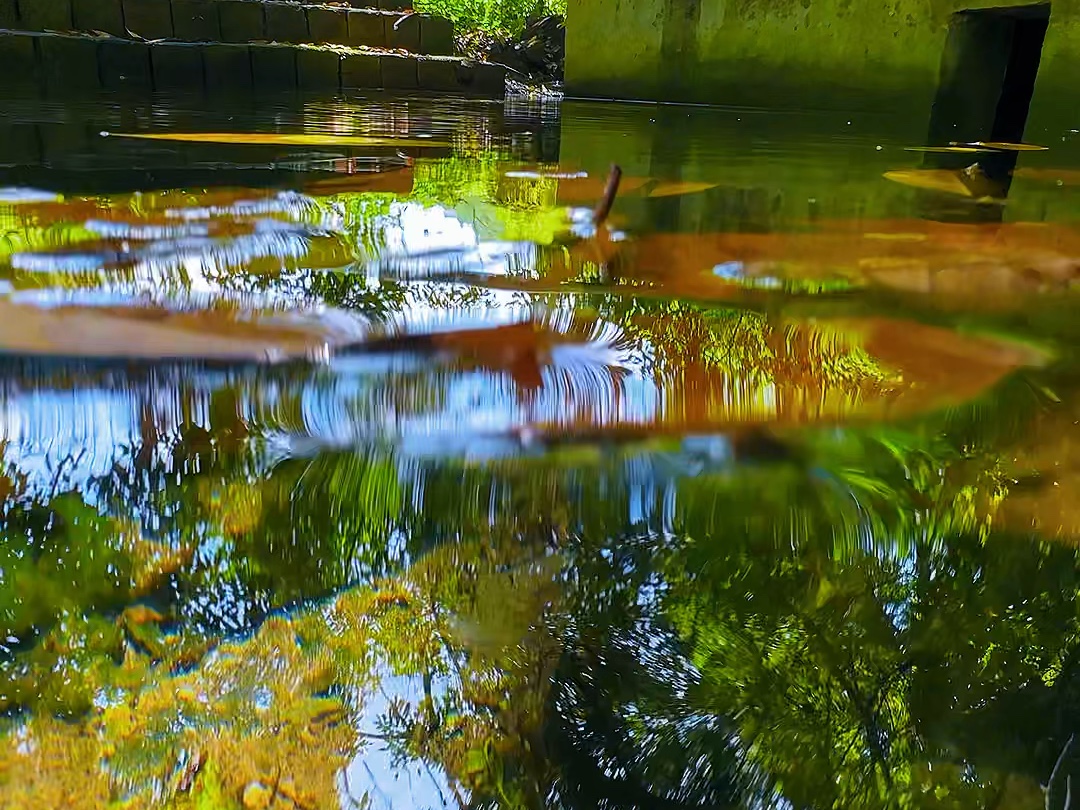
[[962, 183], [678, 188], [897, 237], [277, 139], [948, 149], [933, 179], [1003, 146]]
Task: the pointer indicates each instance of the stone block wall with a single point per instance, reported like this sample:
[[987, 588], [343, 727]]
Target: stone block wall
[[64, 63], [237, 21]]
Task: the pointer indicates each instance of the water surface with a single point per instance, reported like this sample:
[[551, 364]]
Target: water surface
[[377, 473]]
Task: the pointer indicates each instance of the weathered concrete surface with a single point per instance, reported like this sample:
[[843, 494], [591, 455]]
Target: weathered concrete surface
[[841, 54]]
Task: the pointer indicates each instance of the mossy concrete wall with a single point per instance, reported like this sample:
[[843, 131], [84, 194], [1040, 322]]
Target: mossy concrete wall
[[844, 54]]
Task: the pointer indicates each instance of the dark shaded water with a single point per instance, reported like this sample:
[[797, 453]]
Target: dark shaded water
[[371, 473]]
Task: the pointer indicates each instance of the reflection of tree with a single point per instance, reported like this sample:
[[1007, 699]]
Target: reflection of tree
[[844, 624], [742, 361], [832, 634]]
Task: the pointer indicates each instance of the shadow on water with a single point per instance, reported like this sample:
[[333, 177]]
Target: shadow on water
[[366, 469]]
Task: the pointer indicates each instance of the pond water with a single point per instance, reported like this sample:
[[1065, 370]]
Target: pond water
[[350, 460]]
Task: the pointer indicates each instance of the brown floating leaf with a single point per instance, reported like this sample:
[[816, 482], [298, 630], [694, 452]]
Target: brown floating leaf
[[896, 237], [278, 139], [152, 331]]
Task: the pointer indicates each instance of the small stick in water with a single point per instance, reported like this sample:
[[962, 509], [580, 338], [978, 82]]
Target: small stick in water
[[603, 208]]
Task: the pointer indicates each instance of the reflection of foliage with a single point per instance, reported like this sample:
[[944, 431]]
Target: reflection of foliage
[[453, 180], [27, 233], [344, 507], [494, 655], [363, 220], [750, 345], [759, 647], [276, 713], [499, 207]]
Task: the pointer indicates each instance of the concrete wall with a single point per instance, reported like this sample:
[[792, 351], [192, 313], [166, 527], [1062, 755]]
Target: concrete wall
[[840, 54]]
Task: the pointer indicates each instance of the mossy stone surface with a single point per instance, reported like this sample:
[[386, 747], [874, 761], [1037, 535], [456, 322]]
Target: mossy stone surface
[[106, 16], [273, 67], [361, 71], [240, 20], [45, 15], [9, 14], [68, 63], [286, 22], [318, 70], [438, 75], [404, 33], [399, 72], [328, 25], [21, 51], [125, 65], [367, 29], [228, 68], [196, 20], [149, 19], [482, 79], [177, 67], [21, 144], [436, 36]]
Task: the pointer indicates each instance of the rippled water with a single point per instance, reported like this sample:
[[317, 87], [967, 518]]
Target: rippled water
[[370, 470]]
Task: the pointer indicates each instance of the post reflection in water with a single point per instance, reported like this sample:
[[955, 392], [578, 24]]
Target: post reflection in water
[[348, 476]]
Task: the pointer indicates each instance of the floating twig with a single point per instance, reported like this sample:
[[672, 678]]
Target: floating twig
[[603, 208]]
